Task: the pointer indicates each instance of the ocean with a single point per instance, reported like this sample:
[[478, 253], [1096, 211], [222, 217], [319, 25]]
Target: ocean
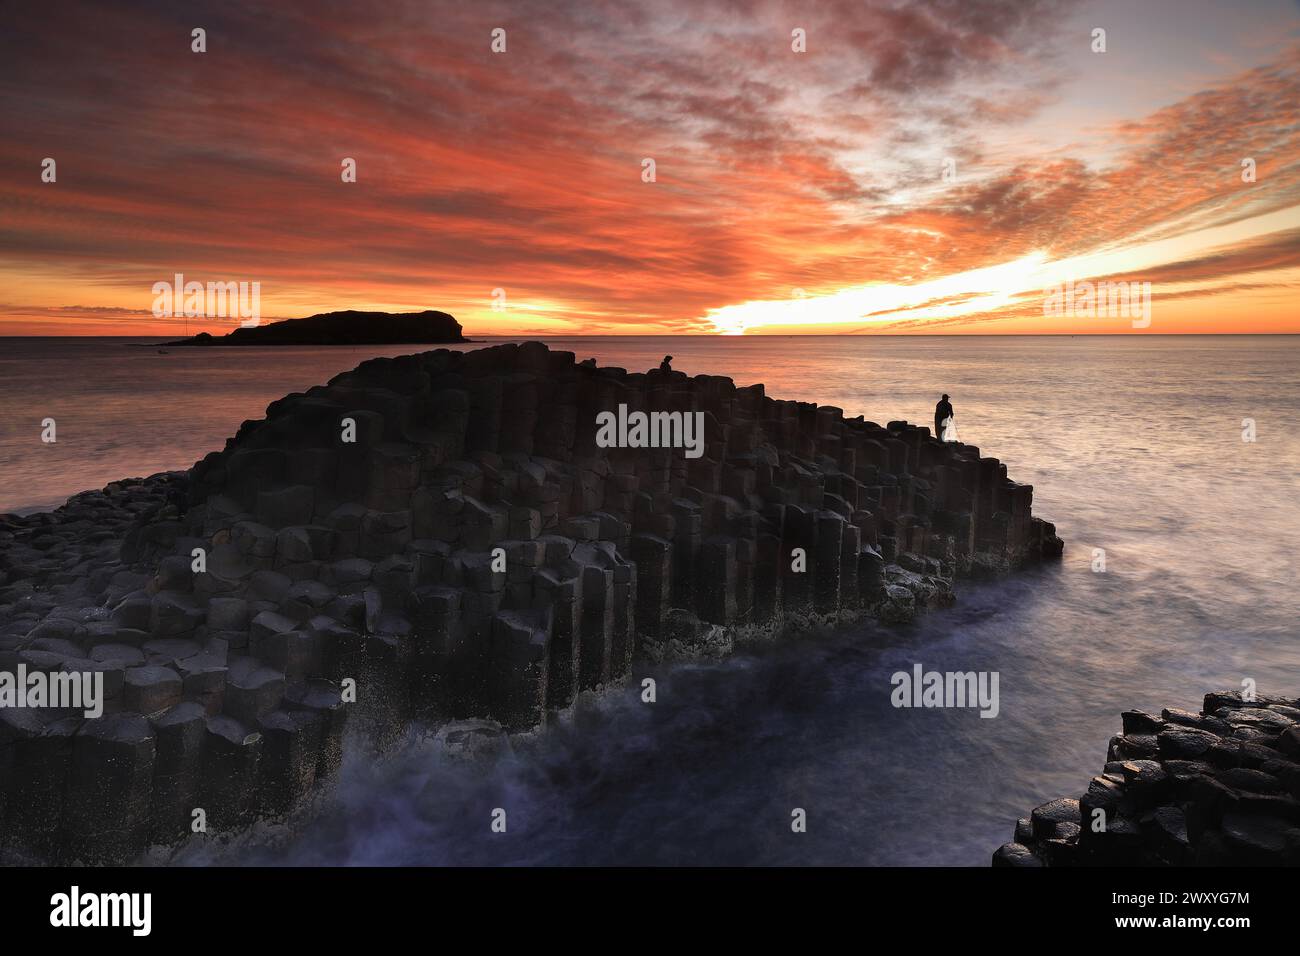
[[1134, 445]]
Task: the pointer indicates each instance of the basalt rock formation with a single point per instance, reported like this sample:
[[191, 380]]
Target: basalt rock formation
[[1218, 788], [344, 328], [441, 535]]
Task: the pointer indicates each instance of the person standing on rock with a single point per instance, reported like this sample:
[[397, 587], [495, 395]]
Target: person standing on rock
[[945, 427]]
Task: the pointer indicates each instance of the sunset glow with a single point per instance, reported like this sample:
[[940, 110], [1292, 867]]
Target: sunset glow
[[793, 192]]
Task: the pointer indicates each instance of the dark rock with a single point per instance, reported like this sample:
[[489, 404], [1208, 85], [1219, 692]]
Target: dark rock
[[1145, 781], [291, 750], [174, 613], [1168, 829], [1255, 781], [376, 564], [148, 690], [1260, 840], [1289, 742], [231, 756], [1014, 854], [348, 327], [178, 738], [1115, 840], [1137, 722], [110, 787], [1214, 792], [252, 691], [1045, 818], [1185, 743]]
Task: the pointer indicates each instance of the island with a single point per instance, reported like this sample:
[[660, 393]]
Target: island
[[348, 327]]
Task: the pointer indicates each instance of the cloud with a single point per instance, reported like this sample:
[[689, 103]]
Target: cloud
[[776, 171]]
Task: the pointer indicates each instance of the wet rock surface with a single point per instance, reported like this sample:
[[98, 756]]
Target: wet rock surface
[[440, 536], [1218, 788]]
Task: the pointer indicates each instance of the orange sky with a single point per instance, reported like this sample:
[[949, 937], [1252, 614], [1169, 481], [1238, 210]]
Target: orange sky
[[794, 192]]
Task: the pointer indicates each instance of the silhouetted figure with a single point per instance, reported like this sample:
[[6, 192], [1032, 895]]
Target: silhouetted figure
[[945, 429], [666, 366]]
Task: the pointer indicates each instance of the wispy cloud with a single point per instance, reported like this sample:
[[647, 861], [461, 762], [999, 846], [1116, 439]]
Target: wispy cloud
[[776, 171]]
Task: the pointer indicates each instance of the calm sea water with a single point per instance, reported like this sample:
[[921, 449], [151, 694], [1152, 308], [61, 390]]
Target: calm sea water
[[1133, 444]]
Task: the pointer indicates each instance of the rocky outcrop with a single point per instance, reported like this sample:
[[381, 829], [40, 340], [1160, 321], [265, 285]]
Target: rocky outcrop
[[445, 535], [344, 328], [1218, 788]]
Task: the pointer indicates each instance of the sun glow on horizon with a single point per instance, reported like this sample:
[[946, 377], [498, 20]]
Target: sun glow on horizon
[[977, 289], [989, 289]]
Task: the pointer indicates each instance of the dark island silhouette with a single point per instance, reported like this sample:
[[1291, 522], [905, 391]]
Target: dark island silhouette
[[349, 327]]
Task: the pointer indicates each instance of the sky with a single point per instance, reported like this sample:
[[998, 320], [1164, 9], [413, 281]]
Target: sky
[[941, 167]]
